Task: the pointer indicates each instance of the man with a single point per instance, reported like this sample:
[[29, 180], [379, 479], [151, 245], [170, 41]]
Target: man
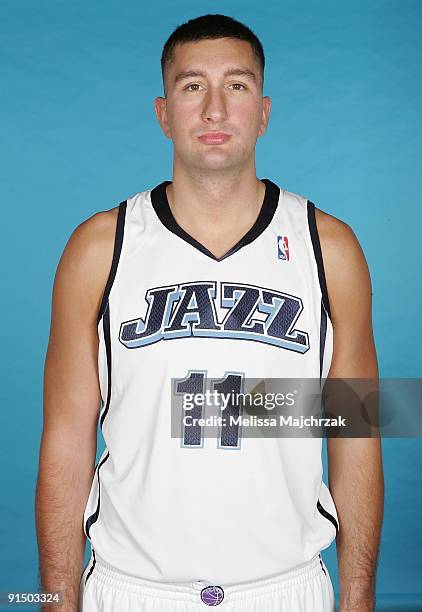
[[214, 276]]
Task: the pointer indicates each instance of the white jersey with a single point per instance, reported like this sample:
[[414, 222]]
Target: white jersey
[[231, 509]]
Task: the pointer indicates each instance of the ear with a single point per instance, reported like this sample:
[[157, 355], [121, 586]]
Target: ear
[[266, 108], [160, 106]]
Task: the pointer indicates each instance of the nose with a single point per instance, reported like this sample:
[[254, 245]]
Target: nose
[[214, 105]]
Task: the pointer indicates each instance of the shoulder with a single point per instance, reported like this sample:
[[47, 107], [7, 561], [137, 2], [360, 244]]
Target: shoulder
[[95, 233], [92, 240], [345, 265], [86, 260], [339, 242], [334, 234]]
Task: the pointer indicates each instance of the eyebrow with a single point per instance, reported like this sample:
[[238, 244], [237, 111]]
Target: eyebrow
[[186, 74]]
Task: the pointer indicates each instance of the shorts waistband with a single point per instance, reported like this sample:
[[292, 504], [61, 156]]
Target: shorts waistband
[[190, 591]]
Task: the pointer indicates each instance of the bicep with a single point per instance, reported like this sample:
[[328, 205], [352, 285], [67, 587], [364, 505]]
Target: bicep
[[71, 385], [71, 388], [354, 354], [350, 294]]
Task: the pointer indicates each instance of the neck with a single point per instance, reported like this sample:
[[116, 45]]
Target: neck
[[213, 201]]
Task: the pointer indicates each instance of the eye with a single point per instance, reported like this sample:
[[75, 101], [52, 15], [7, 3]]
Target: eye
[[237, 86], [195, 87]]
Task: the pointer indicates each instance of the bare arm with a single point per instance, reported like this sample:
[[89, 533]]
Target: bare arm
[[71, 406], [355, 464]]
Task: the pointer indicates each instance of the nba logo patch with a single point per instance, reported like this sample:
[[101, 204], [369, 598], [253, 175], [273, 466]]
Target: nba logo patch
[[283, 247]]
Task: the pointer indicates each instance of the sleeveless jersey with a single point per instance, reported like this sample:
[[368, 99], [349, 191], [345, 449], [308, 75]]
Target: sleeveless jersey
[[170, 509]]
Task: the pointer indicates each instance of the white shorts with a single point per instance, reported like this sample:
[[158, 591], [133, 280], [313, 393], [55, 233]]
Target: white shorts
[[307, 589]]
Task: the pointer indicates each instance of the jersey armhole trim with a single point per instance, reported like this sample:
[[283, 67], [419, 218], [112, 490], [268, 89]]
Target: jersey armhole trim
[[327, 515], [118, 242], [318, 255]]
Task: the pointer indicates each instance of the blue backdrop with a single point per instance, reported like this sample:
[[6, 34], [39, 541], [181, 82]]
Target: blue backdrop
[[78, 81]]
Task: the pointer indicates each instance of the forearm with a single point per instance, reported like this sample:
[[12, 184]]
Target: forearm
[[62, 490], [356, 484]]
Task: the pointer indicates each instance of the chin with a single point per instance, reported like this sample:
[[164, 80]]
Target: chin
[[217, 165]]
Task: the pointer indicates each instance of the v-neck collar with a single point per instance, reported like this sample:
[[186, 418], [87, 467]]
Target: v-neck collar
[[162, 208]]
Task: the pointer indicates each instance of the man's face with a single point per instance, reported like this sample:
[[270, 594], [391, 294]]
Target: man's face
[[214, 111]]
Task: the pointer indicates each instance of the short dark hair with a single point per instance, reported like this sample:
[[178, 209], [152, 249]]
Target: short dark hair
[[211, 27]]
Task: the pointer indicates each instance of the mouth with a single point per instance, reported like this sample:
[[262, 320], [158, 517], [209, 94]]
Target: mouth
[[214, 138]]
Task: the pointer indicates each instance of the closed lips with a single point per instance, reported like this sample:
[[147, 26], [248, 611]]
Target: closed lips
[[214, 137]]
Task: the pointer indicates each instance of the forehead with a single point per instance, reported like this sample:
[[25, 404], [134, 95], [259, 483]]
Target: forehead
[[213, 55]]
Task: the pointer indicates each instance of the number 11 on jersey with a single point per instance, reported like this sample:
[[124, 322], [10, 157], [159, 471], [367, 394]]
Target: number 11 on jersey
[[194, 384]]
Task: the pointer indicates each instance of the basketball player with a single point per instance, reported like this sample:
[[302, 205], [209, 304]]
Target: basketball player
[[214, 275]]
